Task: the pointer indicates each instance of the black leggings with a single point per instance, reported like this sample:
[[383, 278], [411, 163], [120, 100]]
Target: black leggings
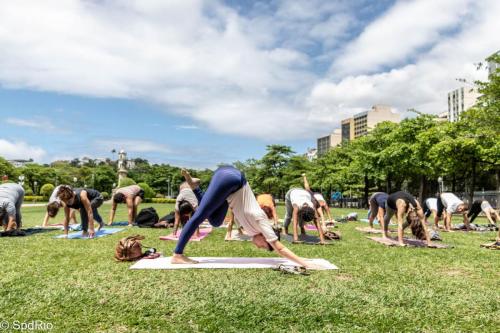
[[440, 207], [474, 210]]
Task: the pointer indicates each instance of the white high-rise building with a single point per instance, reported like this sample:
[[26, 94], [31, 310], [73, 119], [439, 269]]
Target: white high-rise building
[[461, 100]]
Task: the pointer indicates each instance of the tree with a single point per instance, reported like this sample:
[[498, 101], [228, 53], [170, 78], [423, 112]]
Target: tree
[[148, 191], [126, 182], [47, 190]]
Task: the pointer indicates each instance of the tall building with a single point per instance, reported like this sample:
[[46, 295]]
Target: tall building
[[363, 122], [311, 154], [347, 129], [461, 100], [330, 141], [492, 66]]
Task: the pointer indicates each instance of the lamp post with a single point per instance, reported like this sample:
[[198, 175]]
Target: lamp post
[[441, 187], [21, 180]]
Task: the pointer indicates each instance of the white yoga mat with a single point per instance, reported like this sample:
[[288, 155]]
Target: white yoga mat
[[220, 262]]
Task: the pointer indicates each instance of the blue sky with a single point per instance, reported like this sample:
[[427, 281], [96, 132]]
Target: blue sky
[[196, 83]]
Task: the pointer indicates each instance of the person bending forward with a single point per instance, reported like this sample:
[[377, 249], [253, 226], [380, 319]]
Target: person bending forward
[[229, 188], [11, 199], [87, 201], [132, 196], [404, 205]]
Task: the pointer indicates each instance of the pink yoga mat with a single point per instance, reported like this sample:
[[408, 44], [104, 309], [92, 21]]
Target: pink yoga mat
[[407, 241], [203, 233]]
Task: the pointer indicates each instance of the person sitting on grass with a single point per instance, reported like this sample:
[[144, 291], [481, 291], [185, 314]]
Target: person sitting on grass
[[449, 203], [266, 202], [229, 188], [377, 204], [404, 205], [53, 208], [319, 206], [11, 199], [484, 206], [132, 196], [299, 209], [185, 205], [87, 201]]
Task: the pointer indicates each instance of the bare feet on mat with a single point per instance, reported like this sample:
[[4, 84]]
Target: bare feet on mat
[[182, 259]]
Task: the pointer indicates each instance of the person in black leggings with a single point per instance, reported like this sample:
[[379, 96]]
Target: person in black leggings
[[87, 201], [485, 207], [401, 204]]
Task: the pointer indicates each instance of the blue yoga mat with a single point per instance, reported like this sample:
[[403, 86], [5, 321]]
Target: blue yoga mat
[[366, 221], [98, 234]]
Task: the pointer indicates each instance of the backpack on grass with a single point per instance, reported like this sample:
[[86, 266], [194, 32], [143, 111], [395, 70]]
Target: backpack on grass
[[147, 218]]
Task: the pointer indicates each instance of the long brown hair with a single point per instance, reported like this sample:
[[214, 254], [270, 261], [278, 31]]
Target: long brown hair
[[416, 226], [65, 193]]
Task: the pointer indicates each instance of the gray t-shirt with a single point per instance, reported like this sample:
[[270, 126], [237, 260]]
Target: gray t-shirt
[[11, 197]]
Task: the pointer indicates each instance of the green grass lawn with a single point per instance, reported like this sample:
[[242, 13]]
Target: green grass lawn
[[78, 287]]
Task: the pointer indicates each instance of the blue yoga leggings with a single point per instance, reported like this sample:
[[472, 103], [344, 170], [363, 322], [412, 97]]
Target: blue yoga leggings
[[213, 205]]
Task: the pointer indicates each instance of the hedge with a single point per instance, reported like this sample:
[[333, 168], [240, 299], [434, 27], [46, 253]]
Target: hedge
[[161, 200], [34, 198]]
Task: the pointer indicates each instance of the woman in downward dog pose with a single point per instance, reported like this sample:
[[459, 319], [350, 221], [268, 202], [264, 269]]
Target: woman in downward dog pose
[[229, 188], [377, 204], [401, 204], [484, 206], [321, 204]]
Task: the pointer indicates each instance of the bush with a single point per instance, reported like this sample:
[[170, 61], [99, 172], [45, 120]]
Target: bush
[[28, 192], [148, 191], [125, 182], [159, 195], [46, 190], [162, 200], [105, 195], [34, 198]]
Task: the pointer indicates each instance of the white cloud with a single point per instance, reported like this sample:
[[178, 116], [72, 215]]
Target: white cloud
[[399, 34], [20, 150], [423, 84], [187, 127], [251, 75], [36, 122], [130, 145]]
